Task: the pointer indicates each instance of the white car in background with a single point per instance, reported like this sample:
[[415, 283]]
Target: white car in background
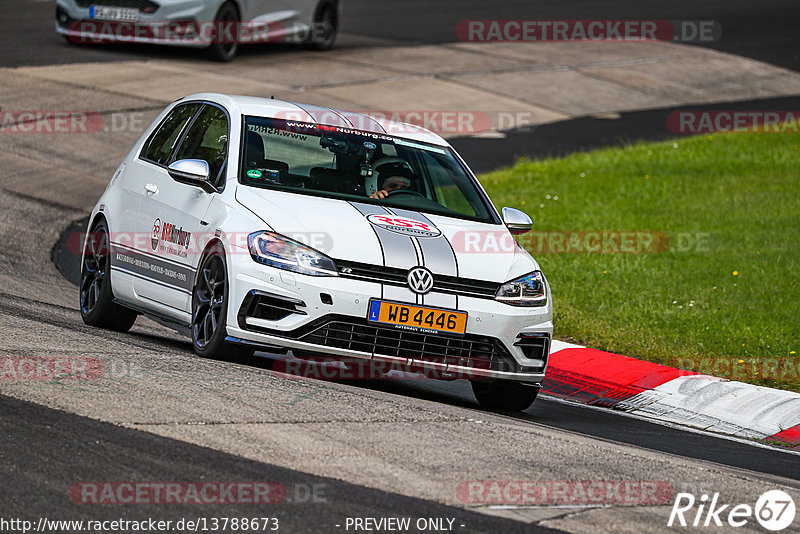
[[218, 25], [263, 224]]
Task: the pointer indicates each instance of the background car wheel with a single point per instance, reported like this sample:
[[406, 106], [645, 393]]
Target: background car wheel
[[323, 33], [210, 309], [502, 395], [96, 296], [221, 49]]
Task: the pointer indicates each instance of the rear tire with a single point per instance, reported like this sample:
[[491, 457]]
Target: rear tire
[[96, 295], [210, 310], [220, 50], [501, 395]]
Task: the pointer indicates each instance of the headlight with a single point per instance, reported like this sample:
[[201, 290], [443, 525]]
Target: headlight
[[282, 253], [530, 290]]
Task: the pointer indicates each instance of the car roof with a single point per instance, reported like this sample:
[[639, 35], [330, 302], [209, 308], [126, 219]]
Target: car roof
[[272, 108]]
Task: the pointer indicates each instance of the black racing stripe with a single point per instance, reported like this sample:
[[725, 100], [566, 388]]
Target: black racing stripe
[[319, 113], [360, 207], [452, 251], [438, 252], [361, 118], [341, 116], [398, 250]]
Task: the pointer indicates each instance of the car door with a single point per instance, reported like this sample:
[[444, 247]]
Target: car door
[[172, 214], [131, 249]]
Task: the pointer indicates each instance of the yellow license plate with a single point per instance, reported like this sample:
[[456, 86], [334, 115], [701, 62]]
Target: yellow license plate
[[417, 318]]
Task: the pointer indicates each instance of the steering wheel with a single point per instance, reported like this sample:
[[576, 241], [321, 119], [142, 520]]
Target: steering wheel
[[404, 192]]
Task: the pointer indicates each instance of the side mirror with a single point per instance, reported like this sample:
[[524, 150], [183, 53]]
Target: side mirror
[[192, 172], [516, 221]]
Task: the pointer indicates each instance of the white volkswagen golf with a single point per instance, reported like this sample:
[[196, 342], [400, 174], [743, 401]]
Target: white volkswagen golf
[[268, 225]]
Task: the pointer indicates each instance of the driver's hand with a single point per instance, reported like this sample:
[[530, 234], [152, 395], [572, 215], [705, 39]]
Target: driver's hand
[[379, 194]]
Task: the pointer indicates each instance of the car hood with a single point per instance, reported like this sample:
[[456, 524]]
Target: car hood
[[392, 237]]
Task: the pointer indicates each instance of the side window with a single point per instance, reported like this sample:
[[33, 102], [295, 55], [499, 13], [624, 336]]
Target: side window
[[161, 143], [207, 139]]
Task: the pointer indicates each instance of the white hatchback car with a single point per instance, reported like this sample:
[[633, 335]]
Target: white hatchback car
[[218, 25], [263, 224]]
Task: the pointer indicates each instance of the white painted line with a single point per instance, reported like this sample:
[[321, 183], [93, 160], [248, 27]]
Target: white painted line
[[557, 345], [720, 405], [672, 425]]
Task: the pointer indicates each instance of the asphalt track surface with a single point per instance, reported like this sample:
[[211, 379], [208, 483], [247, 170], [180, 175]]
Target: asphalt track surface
[[766, 30], [46, 450], [587, 133], [36, 478]]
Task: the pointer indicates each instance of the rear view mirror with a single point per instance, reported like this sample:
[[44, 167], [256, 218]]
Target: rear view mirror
[[516, 221], [192, 172], [337, 146]]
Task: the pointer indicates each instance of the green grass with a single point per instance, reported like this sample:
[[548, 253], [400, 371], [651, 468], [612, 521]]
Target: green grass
[[729, 306]]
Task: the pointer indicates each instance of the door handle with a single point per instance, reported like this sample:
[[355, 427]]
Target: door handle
[[151, 189]]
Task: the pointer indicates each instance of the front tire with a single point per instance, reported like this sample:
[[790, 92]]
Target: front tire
[[210, 310], [501, 395], [219, 50], [96, 295], [324, 29]]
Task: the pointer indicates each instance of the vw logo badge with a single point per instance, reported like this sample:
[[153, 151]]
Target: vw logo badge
[[420, 280]]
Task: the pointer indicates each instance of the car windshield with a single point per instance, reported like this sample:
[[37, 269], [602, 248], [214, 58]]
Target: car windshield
[[353, 165]]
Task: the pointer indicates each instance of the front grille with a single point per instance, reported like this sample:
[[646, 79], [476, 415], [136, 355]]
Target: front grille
[[343, 332], [398, 277], [474, 352], [146, 6]]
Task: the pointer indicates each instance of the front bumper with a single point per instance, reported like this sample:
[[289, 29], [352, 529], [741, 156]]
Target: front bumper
[[327, 315], [73, 19]]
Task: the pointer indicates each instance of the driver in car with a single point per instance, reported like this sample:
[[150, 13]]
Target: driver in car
[[393, 174]]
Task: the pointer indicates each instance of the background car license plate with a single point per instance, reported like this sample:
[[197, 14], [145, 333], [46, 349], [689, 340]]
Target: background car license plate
[[417, 318], [113, 13]]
